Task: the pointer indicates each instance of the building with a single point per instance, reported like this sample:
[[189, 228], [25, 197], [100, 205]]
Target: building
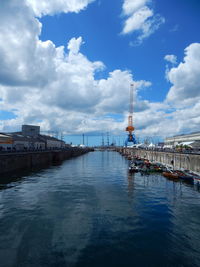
[[6, 142], [30, 130], [29, 139], [52, 142], [192, 140], [22, 142]]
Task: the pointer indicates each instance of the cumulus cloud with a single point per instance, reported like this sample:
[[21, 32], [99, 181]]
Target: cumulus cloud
[[46, 85], [185, 80], [48, 7], [140, 18], [56, 87], [171, 58]]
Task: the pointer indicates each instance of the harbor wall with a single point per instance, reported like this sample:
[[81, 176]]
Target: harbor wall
[[173, 159], [12, 162]]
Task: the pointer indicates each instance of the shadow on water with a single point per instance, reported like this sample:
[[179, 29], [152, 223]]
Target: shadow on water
[[9, 180]]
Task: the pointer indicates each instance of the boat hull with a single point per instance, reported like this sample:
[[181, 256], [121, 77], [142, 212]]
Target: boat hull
[[170, 175]]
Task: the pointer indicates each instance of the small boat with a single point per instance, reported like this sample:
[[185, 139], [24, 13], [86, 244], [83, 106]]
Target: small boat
[[155, 168], [170, 174], [144, 169], [184, 176], [195, 177], [197, 181], [133, 168]]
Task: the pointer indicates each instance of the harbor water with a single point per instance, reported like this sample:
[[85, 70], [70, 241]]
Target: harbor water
[[90, 211]]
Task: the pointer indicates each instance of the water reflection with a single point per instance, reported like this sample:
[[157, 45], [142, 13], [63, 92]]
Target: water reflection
[[91, 212], [131, 177]]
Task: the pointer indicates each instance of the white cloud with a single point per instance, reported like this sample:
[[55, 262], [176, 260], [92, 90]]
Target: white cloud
[[115, 92], [46, 85], [140, 18], [49, 7], [185, 78], [129, 7], [74, 45], [171, 58], [137, 20], [42, 84]]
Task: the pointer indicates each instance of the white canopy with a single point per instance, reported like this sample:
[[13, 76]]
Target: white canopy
[[186, 143], [151, 145]]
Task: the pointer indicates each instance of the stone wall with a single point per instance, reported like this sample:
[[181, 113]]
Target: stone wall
[[180, 160], [12, 162]]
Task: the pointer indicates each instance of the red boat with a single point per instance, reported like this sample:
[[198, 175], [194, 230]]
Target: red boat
[[170, 174]]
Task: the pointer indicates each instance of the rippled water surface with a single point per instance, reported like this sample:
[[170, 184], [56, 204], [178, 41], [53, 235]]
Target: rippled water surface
[[90, 212]]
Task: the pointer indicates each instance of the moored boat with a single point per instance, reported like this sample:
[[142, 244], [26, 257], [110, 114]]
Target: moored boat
[[170, 174], [184, 176], [196, 181], [133, 168]]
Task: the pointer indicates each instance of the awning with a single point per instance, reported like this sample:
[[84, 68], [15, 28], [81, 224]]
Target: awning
[[186, 143], [151, 145], [168, 146]]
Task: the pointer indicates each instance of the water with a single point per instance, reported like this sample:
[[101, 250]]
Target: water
[[90, 212]]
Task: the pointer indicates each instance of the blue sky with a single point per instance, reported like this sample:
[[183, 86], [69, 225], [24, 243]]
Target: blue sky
[[67, 65], [100, 25]]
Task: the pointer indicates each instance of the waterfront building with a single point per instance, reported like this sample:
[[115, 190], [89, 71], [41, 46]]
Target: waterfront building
[[29, 138], [192, 140], [30, 130], [22, 142], [6, 142], [52, 142]]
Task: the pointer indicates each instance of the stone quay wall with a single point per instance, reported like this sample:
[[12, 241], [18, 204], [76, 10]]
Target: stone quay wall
[[12, 162], [177, 160]]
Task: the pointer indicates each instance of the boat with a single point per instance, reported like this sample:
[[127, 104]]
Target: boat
[[184, 176], [170, 174], [196, 181], [195, 177], [133, 168], [155, 168]]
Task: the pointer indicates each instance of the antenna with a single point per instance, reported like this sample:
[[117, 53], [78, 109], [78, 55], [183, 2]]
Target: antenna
[[102, 143], [83, 139], [108, 141]]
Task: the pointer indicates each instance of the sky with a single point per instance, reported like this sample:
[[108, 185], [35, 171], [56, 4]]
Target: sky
[[67, 66]]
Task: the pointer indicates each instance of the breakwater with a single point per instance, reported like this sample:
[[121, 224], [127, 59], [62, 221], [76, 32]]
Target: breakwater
[[12, 162], [177, 160]]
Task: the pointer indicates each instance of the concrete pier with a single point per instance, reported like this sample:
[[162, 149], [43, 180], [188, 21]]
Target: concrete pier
[[177, 160], [12, 162]]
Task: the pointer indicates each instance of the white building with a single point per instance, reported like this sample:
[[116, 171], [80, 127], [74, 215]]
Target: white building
[[185, 139]]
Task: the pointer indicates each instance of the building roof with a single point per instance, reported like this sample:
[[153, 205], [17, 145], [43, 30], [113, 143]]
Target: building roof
[[186, 134], [47, 137], [2, 135], [18, 136], [195, 144]]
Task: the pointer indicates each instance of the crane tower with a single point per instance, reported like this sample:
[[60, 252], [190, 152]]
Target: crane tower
[[130, 129]]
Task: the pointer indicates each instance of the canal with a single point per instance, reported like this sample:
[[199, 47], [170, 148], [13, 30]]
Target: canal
[[90, 212]]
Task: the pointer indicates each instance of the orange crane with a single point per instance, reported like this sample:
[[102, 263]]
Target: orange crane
[[130, 128]]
